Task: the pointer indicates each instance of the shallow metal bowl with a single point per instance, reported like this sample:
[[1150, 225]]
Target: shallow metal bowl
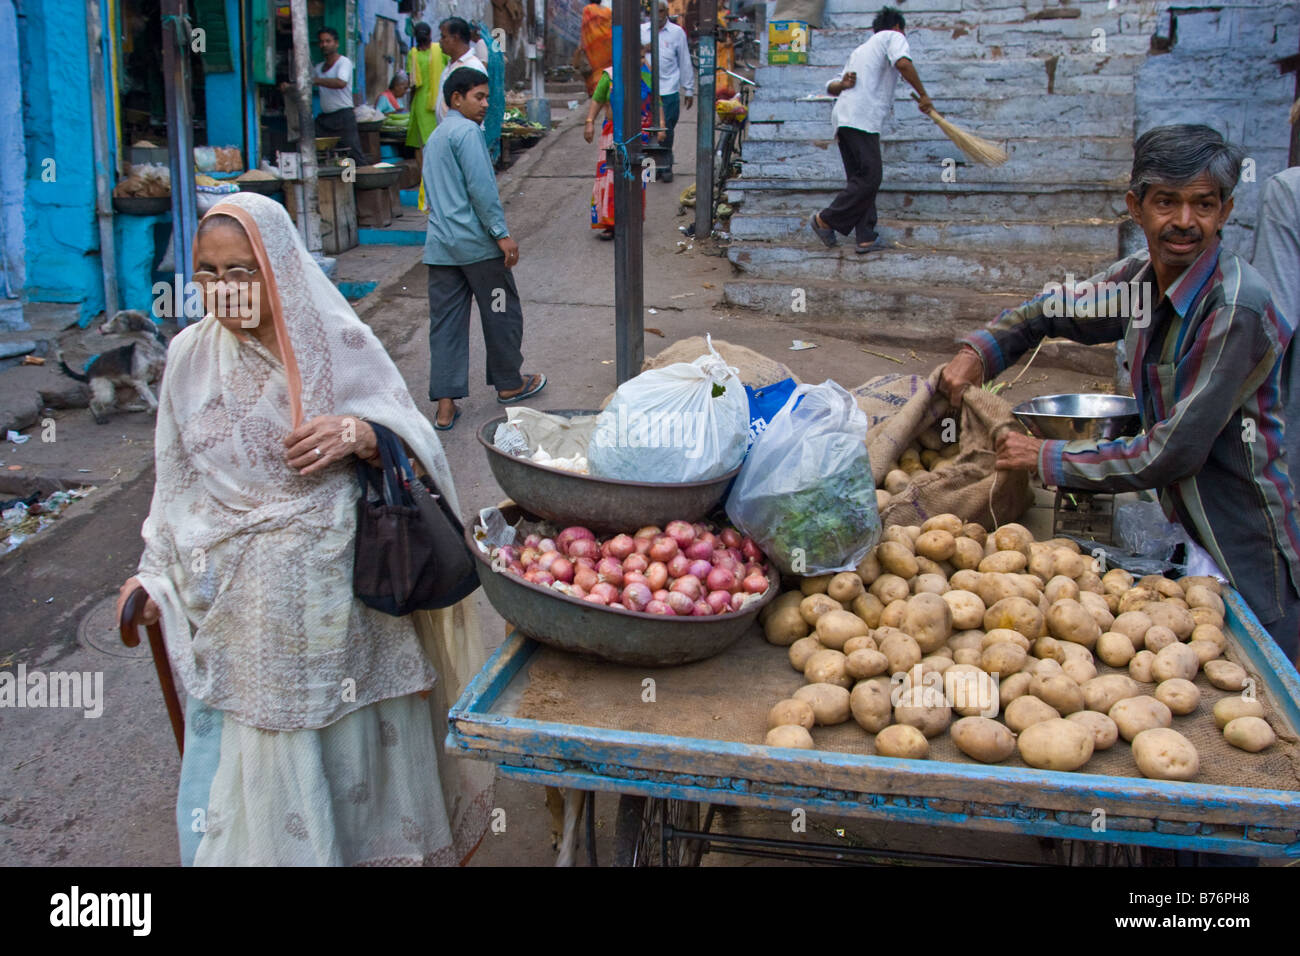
[[266, 187], [1095, 417], [601, 504], [599, 632]]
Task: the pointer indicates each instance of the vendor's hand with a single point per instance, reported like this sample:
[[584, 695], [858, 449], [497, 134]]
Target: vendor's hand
[[151, 611], [326, 439], [660, 135], [510, 249], [848, 81], [1017, 452], [924, 105], [964, 371], [688, 101], [588, 131]]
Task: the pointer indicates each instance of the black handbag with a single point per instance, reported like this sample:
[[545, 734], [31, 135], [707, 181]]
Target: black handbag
[[410, 549]]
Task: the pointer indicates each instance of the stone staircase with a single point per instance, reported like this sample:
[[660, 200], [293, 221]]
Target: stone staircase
[[1028, 74]]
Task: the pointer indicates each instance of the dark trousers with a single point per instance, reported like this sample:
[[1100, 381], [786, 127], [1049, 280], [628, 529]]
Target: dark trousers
[[343, 124], [451, 288], [672, 104], [854, 209]]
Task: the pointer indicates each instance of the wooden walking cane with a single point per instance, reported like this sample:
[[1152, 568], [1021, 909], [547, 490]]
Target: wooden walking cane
[[132, 611]]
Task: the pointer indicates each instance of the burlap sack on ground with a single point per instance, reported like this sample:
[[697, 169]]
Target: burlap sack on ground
[[899, 408], [753, 368]]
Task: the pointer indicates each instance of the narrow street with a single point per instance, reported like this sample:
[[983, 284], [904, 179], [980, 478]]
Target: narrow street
[[101, 791]]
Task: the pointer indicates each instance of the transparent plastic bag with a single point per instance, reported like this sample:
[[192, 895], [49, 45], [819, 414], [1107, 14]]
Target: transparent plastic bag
[[805, 494], [684, 422], [1143, 529]]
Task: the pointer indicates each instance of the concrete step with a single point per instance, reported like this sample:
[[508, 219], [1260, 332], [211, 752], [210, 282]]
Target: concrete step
[[1071, 74], [1018, 271], [1094, 238], [1010, 114], [969, 203], [939, 37], [1038, 161], [900, 316]]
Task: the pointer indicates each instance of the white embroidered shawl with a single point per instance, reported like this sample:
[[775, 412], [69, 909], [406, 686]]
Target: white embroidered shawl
[[250, 562]]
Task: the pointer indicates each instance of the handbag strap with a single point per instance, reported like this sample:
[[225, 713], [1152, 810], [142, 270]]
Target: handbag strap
[[387, 478]]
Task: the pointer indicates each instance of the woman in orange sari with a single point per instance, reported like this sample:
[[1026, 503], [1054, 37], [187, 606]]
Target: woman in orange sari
[[597, 41]]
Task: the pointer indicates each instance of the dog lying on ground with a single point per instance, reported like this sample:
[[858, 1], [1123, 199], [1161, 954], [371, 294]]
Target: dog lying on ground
[[137, 365]]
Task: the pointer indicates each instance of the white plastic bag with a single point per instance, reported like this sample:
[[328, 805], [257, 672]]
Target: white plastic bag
[[805, 494], [684, 422]]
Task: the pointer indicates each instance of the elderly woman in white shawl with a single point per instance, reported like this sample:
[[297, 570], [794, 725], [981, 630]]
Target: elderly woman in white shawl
[[310, 735]]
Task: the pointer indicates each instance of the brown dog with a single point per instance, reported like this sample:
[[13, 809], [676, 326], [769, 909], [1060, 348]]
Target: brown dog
[[137, 365]]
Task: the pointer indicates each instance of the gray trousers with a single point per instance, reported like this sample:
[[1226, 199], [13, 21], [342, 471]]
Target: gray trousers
[[450, 290]]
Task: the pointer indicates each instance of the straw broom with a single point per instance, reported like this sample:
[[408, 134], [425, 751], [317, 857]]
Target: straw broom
[[976, 148]]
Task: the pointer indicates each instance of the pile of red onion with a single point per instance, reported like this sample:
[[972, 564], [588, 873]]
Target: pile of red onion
[[682, 570]]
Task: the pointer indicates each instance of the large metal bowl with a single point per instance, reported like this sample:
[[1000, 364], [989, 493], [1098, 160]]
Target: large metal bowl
[[601, 504], [595, 631], [1092, 417]]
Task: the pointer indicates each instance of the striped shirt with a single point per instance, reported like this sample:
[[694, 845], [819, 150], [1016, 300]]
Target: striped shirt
[[1205, 371]]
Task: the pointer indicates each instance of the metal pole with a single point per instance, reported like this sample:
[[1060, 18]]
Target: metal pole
[[708, 54], [656, 117], [306, 127], [629, 321], [176, 79], [99, 126]]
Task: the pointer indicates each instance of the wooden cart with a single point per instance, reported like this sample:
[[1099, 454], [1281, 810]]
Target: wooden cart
[[668, 782]]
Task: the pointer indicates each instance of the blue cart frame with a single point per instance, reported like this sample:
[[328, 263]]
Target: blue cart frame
[[1138, 812]]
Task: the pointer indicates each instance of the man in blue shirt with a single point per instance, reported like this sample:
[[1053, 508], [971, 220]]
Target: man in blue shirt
[[469, 253]]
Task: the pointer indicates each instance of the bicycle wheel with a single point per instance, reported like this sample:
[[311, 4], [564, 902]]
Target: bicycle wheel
[[638, 832]]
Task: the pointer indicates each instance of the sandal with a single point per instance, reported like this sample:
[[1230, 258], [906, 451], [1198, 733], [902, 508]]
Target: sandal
[[606, 234], [447, 427], [534, 385], [825, 234]]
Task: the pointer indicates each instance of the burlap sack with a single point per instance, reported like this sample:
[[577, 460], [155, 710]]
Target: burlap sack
[[754, 369], [899, 408]]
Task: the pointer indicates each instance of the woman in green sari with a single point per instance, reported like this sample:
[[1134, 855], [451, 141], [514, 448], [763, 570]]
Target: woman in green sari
[[424, 69]]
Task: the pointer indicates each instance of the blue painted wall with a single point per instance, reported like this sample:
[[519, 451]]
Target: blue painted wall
[[225, 92], [12, 171], [1222, 72], [62, 241]]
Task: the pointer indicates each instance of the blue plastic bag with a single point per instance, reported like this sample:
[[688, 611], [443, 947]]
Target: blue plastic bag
[[764, 402]]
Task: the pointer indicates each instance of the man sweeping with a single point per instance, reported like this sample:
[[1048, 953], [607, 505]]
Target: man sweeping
[[865, 99]]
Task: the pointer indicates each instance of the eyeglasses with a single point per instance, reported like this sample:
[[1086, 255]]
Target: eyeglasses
[[236, 276]]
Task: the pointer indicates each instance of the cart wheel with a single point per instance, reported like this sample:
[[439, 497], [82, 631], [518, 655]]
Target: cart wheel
[[638, 832]]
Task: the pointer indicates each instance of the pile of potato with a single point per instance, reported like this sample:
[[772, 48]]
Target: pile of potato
[[945, 618], [928, 453]]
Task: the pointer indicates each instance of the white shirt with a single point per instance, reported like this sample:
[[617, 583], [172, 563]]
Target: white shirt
[[466, 59], [867, 104], [675, 68], [331, 101], [480, 49]]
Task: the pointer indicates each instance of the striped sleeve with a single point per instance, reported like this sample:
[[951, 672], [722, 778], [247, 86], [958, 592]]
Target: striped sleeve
[[1231, 357], [1091, 311]]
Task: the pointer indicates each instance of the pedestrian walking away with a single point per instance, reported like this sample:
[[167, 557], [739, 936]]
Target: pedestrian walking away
[[337, 115], [676, 82], [424, 66], [864, 100], [469, 253]]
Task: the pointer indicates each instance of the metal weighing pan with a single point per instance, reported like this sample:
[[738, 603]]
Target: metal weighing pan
[[1095, 417], [601, 504], [591, 630]]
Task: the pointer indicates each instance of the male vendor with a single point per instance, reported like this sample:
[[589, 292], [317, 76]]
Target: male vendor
[[1204, 345]]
